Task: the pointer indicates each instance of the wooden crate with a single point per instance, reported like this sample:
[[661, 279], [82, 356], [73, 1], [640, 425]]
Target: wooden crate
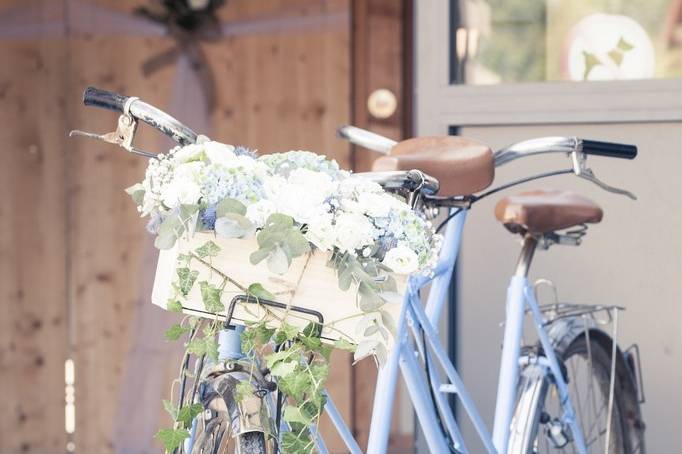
[[309, 283]]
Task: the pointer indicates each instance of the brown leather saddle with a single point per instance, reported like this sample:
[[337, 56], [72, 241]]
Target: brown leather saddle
[[465, 166]]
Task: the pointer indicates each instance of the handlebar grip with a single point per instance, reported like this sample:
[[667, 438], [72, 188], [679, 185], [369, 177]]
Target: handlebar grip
[[609, 149], [93, 96]]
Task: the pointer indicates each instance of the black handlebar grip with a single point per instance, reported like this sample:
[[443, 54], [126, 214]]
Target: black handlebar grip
[[93, 96], [609, 149]]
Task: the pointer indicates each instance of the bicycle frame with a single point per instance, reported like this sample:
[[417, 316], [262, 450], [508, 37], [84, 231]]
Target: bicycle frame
[[416, 318]]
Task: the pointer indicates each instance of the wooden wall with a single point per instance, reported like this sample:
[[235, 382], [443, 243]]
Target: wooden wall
[[34, 328], [75, 261]]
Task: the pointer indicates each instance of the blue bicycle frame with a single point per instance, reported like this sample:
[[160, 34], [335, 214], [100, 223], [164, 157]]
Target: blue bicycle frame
[[417, 337]]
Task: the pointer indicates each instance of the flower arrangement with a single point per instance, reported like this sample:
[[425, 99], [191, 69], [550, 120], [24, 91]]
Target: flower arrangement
[[293, 203]]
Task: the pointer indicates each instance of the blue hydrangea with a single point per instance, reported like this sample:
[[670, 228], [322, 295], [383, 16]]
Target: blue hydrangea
[[207, 216]]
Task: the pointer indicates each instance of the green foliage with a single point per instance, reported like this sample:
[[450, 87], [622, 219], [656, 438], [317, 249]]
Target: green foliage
[[210, 295], [172, 438], [234, 225], [259, 291], [136, 192], [188, 413], [186, 279], [174, 332], [279, 241], [174, 305], [230, 206], [208, 249]]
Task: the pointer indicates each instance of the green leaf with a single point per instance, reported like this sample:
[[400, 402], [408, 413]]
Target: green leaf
[[230, 206], [233, 225], [295, 443], [186, 279], [282, 369], [343, 344], [278, 261], [282, 355], [345, 279], [187, 414], [174, 332], [295, 415], [210, 295], [243, 390], [279, 220], [174, 305], [286, 332], [136, 192], [296, 243], [312, 329], [172, 438], [169, 231], [258, 256], [209, 249], [259, 291], [369, 298], [171, 409]]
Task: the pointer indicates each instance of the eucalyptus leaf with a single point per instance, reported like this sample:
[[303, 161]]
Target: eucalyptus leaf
[[233, 225], [169, 231], [365, 349], [343, 344], [278, 261], [136, 192], [279, 220], [258, 256], [229, 205], [296, 242]]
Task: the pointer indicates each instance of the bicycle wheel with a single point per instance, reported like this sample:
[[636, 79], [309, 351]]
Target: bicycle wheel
[[537, 427], [214, 437]]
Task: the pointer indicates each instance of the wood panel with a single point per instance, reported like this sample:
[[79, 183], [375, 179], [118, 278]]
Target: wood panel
[[276, 90], [382, 37], [33, 324]]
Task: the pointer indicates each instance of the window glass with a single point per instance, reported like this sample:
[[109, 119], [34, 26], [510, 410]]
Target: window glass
[[508, 41]]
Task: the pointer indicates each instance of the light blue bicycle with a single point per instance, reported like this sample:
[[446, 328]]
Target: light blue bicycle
[[574, 390]]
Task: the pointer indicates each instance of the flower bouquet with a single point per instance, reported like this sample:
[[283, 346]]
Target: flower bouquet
[[290, 227]]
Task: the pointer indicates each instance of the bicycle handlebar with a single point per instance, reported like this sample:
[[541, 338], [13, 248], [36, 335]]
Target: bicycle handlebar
[[609, 149], [139, 109]]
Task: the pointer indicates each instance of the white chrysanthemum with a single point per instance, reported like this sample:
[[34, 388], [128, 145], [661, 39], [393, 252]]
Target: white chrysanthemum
[[353, 231], [401, 259]]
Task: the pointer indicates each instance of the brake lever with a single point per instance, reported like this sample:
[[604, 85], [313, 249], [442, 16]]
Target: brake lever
[[124, 134], [580, 169]]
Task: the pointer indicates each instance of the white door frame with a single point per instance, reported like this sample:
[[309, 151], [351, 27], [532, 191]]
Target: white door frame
[[439, 104]]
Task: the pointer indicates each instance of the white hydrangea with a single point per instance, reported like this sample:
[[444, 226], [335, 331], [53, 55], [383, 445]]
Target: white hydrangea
[[353, 231]]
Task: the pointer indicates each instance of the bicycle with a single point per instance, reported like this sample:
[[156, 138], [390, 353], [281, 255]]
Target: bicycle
[[539, 405]]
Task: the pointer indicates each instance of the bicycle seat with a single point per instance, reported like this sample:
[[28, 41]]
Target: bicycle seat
[[462, 166], [546, 210]]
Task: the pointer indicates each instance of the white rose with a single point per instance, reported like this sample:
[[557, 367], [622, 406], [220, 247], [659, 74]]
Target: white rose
[[302, 196], [353, 231], [321, 232], [187, 153], [375, 205], [401, 259], [219, 153], [181, 191], [258, 212], [358, 185], [189, 171]]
